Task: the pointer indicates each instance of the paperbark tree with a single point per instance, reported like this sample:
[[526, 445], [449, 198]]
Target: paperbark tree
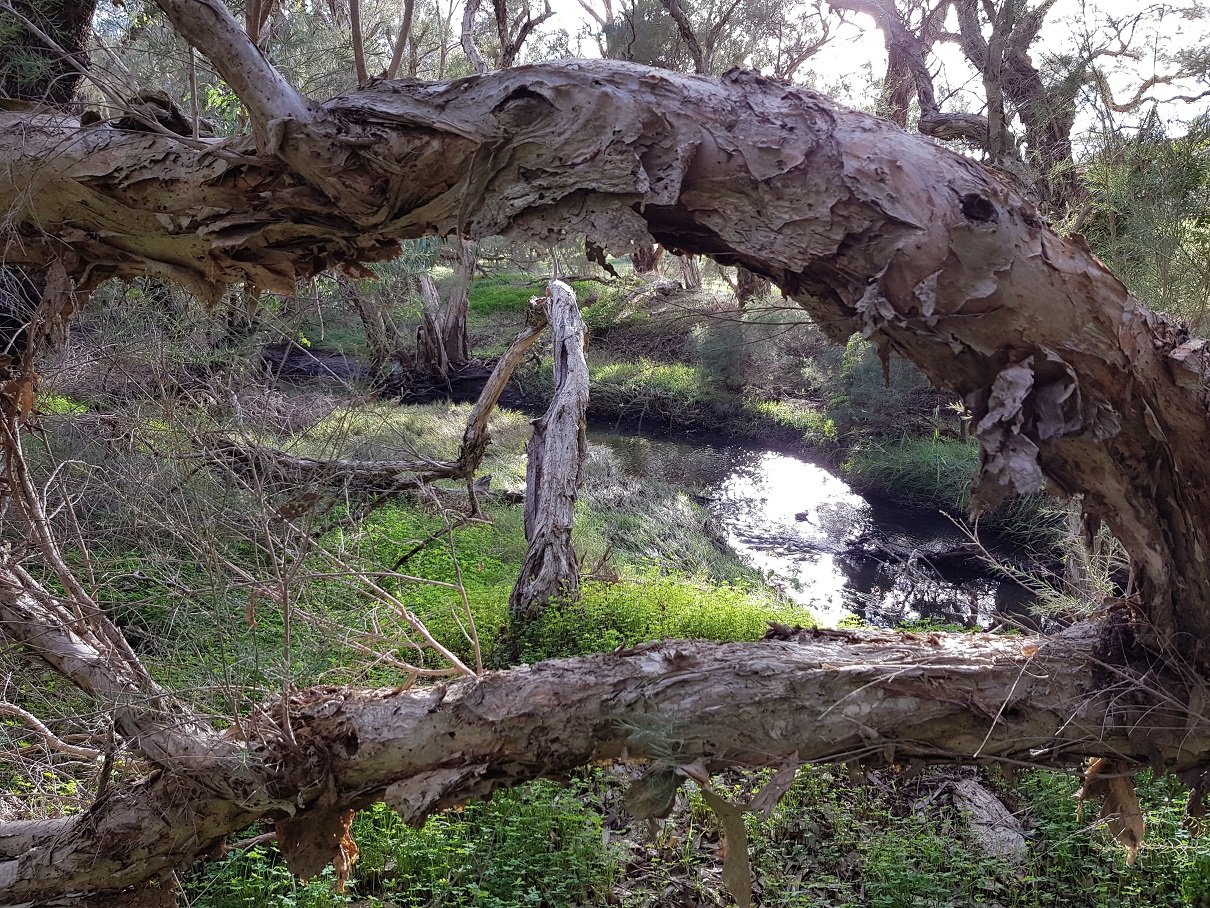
[[556, 453], [996, 39], [1071, 382], [646, 258], [442, 344]]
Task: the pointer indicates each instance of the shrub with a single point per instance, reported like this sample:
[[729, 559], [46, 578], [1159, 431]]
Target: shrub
[[809, 423], [533, 845], [933, 473]]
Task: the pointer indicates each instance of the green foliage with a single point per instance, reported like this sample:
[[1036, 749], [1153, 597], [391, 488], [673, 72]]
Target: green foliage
[[829, 842], [386, 430], [1073, 867], [865, 399], [811, 423], [534, 845], [1150, 194], [936, 474], [503, 293], [59, 405], [932, 473], [649, 388], [257, 878], [723, 346], [222, 107], [609, 615], [603, 308]]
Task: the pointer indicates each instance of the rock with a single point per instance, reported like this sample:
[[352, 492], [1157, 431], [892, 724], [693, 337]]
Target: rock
[[992, 826]]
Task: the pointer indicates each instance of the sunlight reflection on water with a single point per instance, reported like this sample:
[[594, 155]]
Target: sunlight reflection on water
[[823, 544]]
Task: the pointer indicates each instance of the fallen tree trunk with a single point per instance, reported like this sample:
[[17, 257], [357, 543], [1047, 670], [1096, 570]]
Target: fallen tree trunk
[[386, 476], [372, 477], [876, 697]]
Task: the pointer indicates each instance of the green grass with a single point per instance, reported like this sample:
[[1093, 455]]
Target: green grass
[[932, 473], [677, 382], [1072, 866], [646, 605], [936, 474], [387, 430], [829, 842], [811, 424], [609, 615], [58, 405], [512, 291], [506, 292]]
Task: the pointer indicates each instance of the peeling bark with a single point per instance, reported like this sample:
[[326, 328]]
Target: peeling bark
[[556, 453], [875, 697], [441, 342], [431, 353], [646, 258], [749, 286]]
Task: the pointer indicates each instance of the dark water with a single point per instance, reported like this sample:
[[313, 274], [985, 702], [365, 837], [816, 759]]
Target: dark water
[[827, 547]]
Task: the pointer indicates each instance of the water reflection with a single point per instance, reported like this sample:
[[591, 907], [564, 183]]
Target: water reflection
[[821, 542]]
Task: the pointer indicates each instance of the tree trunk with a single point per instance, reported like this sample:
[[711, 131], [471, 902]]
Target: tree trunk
[[30, 69], [475, 439], [556, 454], [36, 305], [442, 342], [824, 696], [431, 354], [749, 286], [1046, 111], [382, 337], [237, 320], [691, 272], [646, 258], [458, 303]]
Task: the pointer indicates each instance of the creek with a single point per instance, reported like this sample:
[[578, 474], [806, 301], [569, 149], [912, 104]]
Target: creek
[[827, 547]]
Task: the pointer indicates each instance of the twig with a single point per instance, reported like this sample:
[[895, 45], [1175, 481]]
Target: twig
[[53, 741]]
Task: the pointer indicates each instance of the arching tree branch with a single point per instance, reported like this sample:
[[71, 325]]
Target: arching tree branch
[[871, 229]]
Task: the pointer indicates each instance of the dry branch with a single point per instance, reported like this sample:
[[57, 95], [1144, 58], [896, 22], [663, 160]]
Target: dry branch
[[555, 458]]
